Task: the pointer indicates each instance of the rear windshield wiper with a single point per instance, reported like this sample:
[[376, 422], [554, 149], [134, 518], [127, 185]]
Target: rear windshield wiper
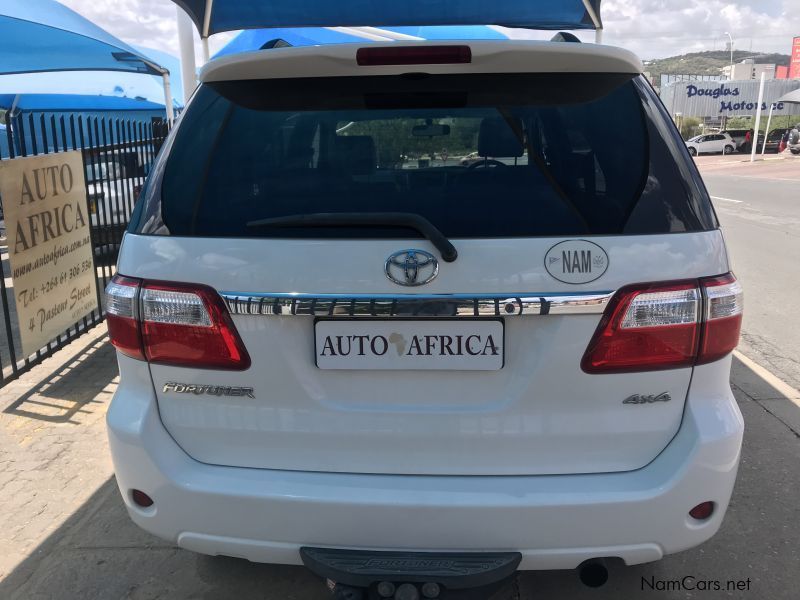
[[347, 219]]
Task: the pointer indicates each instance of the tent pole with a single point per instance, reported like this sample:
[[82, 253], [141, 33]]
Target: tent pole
[[186, 43], [766, 131], [754, 143], [168, 97], [598, 25], [206, 27]]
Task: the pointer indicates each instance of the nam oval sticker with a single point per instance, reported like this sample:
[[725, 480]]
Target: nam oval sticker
[[576, 261]]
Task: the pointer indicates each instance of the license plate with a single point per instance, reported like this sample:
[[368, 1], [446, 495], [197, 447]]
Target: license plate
[[457, 344]]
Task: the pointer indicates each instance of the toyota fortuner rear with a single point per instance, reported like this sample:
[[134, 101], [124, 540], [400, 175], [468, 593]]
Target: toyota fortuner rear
[[453, 298]]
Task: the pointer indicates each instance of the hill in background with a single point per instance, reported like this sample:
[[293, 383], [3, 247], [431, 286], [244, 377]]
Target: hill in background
[[707, 63]]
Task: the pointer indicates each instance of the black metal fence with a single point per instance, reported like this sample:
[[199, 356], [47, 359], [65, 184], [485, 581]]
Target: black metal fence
[[117, 156]]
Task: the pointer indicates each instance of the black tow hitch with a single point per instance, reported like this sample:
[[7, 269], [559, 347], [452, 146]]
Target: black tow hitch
[[366, 575]]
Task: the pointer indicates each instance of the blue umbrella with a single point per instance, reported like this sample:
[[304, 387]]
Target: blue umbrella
[[215, 16], [43, 35]]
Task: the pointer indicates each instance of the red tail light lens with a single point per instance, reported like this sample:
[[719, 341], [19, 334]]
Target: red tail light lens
[[667, 326], [122, 295], [647, 328], [723, 317], [413, 55], [702, 511], [174, 324]]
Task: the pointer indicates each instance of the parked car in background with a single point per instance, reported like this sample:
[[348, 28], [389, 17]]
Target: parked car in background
[[738, 136], [711, 143], [432, 376], [793, 143], [470, 158], [112, 194], [773, 140], [473, 158], [747, 147]]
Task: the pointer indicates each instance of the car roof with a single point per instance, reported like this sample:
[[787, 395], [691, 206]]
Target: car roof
[[492, 56]]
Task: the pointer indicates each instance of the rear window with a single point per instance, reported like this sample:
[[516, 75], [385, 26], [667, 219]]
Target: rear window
[[502, 155]]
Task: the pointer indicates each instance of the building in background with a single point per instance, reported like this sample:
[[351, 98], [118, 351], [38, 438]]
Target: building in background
[[716, 102], [794, 65], [748, 69], [670, 78]]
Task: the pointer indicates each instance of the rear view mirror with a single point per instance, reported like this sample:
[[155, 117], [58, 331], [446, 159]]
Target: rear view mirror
[[430, 130]]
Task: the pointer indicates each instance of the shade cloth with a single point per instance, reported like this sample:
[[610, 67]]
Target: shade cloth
[[72, 102], [44, 35], [229, 15], [791, 97], [254, 39]]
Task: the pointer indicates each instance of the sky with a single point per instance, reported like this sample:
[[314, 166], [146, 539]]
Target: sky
[[650, 28]]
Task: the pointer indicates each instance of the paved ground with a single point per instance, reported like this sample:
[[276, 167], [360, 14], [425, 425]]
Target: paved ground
[[759, 207], [64, 532]]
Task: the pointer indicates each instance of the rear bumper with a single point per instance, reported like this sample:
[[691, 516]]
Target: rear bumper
[[555, 522]]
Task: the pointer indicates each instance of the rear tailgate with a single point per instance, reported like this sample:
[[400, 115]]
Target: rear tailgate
[[582, 187], [539, 414]]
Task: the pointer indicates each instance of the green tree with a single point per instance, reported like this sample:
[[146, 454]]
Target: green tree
[[690, 127], [394, 138]]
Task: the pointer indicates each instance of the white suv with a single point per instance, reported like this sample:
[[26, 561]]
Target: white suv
[[431, 373]]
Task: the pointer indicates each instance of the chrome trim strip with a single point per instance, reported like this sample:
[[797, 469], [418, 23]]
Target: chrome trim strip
[[413, 305]]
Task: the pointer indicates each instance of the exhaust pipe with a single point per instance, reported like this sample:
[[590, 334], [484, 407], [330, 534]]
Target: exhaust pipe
[[344, 592], [593, 573]]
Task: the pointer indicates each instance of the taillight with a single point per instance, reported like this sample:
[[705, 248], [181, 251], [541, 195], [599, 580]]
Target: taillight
[[645, 328], [413, 55], [173, 324], [122, 313], [722, 318], [667, 326]]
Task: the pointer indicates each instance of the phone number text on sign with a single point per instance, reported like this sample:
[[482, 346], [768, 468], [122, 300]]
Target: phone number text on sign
[[50, 249]]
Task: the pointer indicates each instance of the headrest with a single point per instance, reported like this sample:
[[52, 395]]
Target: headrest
[[496, 139], [356, 153]]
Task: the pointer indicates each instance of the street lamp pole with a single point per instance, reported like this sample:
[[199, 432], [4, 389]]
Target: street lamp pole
[[730, 37]]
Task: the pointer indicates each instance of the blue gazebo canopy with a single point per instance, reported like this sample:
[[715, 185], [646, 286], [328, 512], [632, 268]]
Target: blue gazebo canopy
[[72, 102], [44, 35], [215, 16], [254, 39]]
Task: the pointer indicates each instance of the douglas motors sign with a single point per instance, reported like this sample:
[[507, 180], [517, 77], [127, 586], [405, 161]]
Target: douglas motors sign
[[728, 98], [723, 92]]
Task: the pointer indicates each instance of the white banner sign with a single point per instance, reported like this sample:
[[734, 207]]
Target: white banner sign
[[49, 246]]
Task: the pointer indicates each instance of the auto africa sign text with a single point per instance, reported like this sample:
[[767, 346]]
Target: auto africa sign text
[[729, 105]]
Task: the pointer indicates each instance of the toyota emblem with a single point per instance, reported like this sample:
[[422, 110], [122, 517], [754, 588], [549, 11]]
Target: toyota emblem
[[411, 267]]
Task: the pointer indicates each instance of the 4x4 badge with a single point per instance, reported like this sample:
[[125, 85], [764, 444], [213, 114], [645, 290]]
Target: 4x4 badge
[[645, 399]]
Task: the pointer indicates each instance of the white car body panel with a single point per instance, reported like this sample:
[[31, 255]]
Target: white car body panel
[[540, 414], [556, 522]]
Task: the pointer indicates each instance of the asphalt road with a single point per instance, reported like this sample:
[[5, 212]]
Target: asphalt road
[[759, 208]]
